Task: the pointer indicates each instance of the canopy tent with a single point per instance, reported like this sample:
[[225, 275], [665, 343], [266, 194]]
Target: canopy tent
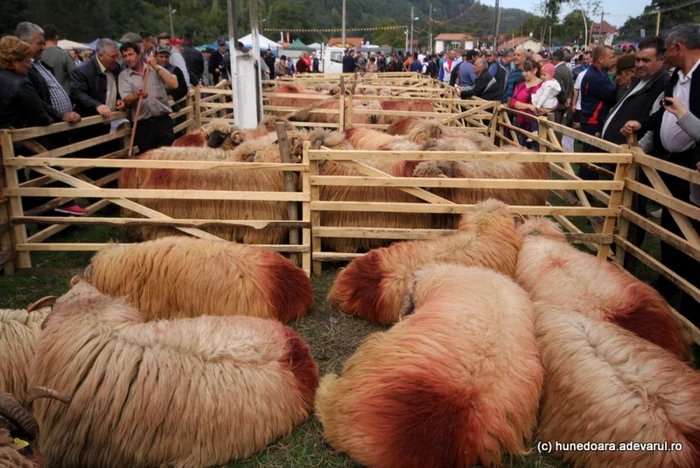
[[265, 43], [315, 46], [65, 44], [299, 46]]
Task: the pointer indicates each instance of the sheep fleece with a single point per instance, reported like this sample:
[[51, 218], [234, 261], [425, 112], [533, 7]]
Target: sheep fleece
[[558, 274], [185, 393], [606, 385], [19, 331], [455, 384], [179, 277], [374, 286]]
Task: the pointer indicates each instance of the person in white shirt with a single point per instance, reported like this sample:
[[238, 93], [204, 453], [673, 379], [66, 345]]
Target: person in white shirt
[[576, 100], [546, 96]]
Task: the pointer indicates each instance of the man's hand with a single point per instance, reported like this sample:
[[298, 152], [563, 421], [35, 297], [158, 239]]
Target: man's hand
[[104, 111], [151, 60], [121, 105], [631, 127], [142, 93], [568, 103], [71, 117]]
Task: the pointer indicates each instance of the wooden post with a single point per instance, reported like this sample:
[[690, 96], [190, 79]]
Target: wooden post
[[341, 117], [349, 112], [289, 186], [5, 228], [306, 215], [658, 21], [19, 231], [315, 215], [623, 227], [198, 107], [615, 201]]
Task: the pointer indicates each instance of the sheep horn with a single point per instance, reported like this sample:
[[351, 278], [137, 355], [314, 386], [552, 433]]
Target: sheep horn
[[47, 301], [18, 415], [43, 392], [519, 219]]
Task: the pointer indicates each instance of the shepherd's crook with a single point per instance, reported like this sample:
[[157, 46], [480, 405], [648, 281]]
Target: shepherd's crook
[[138, 110]]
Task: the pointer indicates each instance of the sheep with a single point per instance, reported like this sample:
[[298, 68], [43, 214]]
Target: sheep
[[368, 139], [335, 140], [560, 275], [301, 102], [19, 430], [214, 131], [176, 277], [374, 286], [367, 118], [192, 392], [455, 384], [604, 384], [212, 179], [403, 106], [19, 330]]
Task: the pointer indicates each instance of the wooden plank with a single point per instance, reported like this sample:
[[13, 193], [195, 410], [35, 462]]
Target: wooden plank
[[315, 194], [289, 186], [128, 204], [75, 147], [183, 125], [181, 112], [615, 201], [387, 207], [149, 164], [198, 223], [665, 236], [660, 268], [666, 200], [154, 194], [55, 228], [667, 167], [570, 175], [19, 233], [93, 247], [311, 107], [534, 184], [306, 260], [472, 111], [34, 132], [333, 155], [684, 224], [43, 180], [378, 233]]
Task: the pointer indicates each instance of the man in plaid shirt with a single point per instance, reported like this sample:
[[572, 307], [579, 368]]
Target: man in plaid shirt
[[50, 91]]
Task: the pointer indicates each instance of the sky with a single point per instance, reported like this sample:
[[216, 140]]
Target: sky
[[616, 11]]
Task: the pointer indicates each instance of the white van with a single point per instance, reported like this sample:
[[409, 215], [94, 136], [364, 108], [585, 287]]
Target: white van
[[332, 59]]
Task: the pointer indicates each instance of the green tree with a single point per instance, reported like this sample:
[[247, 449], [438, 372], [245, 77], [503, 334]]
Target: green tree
[[393, 37]]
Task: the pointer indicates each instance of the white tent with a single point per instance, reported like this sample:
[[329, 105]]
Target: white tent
[[265, 43], [65, 44], [315, 45]]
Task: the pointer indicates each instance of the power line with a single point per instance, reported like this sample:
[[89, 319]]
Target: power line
[[693, 2]]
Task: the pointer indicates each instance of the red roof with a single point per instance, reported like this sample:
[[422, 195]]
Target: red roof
[[607, 28], [453, 37], [355, 42], [513, 43]]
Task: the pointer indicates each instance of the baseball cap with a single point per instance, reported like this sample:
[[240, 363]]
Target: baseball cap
[[221, 42], [162, 48], [175, 41], [130, 37]]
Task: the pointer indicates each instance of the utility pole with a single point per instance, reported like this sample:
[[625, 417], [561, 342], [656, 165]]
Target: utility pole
[[498, 20], [658, 21], [411, 43], [170, 12], [600, 28], [585, 28], [550, 36], [343, 23], [430, 25]]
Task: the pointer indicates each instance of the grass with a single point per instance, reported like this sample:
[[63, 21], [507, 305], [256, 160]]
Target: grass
[[333, 337]]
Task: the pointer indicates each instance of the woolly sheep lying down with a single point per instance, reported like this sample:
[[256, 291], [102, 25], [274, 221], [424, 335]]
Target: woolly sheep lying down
[[190, 393], [606, 385], [374, 286], [558, 274], [179, 277], [455, 384], [19, 331]]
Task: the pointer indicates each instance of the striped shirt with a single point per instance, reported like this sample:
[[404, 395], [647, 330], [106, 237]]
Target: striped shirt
[[59, 98]]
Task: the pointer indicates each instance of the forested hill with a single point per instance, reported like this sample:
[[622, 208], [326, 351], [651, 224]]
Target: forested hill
[[88, 19]]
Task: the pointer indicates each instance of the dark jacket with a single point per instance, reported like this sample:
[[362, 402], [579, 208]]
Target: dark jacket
[[270, 62], [195, 63], [635, 105], [215, 62], [653, 122], [455, 74], [89, 87], [42, 89], [181, 90], [514, 79], [501, 76], [348, 64], [598, 95], [20, 104], [563, 76], [432, 69], [485, 87]]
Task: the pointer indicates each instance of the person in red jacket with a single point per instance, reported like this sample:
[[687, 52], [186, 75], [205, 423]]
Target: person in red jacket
[[302, 66]]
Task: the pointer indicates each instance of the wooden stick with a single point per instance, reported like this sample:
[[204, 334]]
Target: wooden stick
[[138, 111]]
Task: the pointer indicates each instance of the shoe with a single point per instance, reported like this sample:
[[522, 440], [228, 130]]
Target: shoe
[[74, 210]]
